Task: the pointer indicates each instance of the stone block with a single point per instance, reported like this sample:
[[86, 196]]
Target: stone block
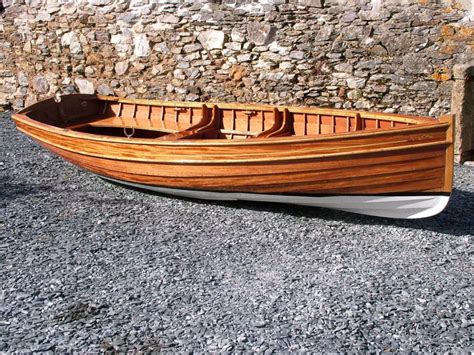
[[212, 39], [40, 84], [194, 47], [84, 86], [161, 47], [380, 88], [168, 18], [325, 33], [260, 33], [43, 16], [344, 67], [69, 39], [247, 57], [121, 67], [298, 55], [104, 89], [356, 83], [237, 36], [128, 17], [6, 73], [237, 72], [22, 79], [141, 46], [426, 86], [68, 8]]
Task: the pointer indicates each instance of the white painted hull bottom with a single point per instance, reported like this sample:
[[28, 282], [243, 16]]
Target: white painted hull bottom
[[408, 206]]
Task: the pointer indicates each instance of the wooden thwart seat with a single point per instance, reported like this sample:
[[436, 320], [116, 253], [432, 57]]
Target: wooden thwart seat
[[208, 123], [281, 127]]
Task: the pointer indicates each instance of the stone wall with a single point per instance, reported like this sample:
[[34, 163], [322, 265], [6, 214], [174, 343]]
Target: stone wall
[[391, 55]]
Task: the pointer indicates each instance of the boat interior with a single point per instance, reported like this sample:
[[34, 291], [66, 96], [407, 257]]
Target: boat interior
[[164, 120]]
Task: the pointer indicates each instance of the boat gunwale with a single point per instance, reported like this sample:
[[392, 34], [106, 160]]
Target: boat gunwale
[[436, 124]]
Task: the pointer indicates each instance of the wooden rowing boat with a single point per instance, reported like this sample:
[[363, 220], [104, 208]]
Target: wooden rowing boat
[[371, 163]]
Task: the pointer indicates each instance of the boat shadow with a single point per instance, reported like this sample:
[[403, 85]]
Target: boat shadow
[[456, 219]]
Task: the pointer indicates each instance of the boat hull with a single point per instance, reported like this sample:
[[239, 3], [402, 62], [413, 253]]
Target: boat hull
[[403, 206], [349, 186]]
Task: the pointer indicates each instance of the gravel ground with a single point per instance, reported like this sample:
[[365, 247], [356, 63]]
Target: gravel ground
[[91, 266]]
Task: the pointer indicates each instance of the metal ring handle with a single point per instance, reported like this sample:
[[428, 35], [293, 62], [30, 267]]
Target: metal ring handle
[[126, 132]]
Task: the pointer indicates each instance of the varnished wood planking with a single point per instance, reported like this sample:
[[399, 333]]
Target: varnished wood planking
[[278, 170], [297, 181], [350, 168], [359, 182], [389, 183], [392, 182]]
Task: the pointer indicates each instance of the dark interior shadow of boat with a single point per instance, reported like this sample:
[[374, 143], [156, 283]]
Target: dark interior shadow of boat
[[457, 219]]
